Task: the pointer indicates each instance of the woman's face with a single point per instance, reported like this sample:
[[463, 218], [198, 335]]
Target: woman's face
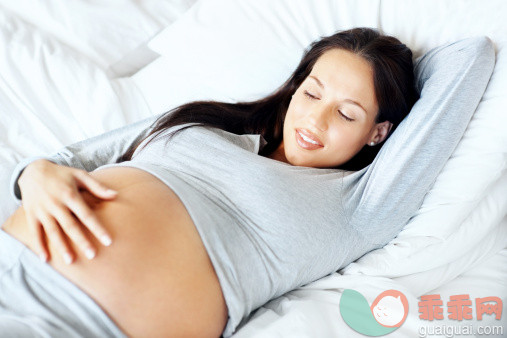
[[336, 106]]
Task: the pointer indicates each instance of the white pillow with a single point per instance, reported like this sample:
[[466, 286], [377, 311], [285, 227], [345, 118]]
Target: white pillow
[[233, 50]]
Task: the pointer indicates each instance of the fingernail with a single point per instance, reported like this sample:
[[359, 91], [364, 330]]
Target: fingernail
[[90, 253], [67, 258], [43, 257], [111, 192], [106, 240]]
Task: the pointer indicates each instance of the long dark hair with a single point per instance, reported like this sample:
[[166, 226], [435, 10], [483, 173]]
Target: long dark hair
[[392, 65]]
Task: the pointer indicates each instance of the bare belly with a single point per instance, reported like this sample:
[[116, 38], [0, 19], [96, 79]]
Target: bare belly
[[156, 278]]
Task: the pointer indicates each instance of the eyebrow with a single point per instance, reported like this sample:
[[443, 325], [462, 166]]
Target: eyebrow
[[321, 85]]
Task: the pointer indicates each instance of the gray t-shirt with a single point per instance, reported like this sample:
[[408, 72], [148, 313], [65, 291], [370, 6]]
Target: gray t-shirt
[[270, 227]]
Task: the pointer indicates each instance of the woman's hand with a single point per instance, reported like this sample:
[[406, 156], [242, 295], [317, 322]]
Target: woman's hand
[[50, 194]]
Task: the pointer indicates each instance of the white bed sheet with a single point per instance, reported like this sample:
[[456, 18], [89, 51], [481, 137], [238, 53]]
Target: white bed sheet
[[60, 68], [104, 32], [59, 84], [313, 310]]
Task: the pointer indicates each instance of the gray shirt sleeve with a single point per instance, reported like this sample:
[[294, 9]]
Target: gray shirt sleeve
[[451, 80], [91, 153]]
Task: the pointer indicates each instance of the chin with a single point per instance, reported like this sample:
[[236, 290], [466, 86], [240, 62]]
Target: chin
[[303, 163]]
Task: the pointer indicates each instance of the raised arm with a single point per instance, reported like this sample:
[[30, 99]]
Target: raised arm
[[451, 80], [91, 153]]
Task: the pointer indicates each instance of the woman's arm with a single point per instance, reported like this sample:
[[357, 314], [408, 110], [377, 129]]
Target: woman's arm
[[53, 206], [91, 153], [452, 80]]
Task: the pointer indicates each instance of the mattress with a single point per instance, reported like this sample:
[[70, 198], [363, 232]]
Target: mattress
[[75, 69]]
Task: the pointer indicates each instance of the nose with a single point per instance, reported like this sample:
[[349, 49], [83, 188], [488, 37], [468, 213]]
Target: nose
[[318, 116]]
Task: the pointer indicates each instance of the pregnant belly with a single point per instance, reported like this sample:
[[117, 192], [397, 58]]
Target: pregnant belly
[[156, 278]]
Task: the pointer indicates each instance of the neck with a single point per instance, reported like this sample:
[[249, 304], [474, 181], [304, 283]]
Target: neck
[[279, 154]]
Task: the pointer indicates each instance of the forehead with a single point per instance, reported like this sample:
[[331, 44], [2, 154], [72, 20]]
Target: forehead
[[339, 61], [347, 75]]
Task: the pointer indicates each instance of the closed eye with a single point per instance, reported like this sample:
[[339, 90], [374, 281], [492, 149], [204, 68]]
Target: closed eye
[[346, 117], [313, 97]]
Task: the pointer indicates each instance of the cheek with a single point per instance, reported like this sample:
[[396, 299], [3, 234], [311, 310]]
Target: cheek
[[340, 137], [344, 141], [291, 118], [297, 108], [348, 133]]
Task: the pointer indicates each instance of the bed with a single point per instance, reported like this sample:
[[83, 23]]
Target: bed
[[70, 70]]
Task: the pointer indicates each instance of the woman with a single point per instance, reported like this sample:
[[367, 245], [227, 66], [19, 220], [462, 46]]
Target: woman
[[203, 229]]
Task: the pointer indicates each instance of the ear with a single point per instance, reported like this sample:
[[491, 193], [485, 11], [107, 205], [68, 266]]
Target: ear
[[381, 131]]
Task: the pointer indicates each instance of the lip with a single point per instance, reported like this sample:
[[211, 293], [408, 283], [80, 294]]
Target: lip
[[307, 145], [309, 134]]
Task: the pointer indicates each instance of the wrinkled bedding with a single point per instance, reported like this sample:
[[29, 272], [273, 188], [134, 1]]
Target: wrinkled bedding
[[75, 69]]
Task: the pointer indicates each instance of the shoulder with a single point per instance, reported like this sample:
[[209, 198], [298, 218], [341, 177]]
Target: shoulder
[[250, 142], [197, 134]]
